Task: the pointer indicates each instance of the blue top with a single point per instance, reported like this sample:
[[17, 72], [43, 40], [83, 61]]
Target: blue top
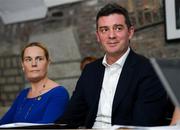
[[45, 108]]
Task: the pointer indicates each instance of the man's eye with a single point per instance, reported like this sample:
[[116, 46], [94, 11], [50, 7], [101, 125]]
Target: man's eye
[[118, 28], [103, 30]]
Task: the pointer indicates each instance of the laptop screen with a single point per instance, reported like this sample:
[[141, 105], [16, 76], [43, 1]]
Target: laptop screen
[[168, 71]]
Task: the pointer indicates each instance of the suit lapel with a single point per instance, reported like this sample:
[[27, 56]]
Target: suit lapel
[[99, 79], [96, 92], [124, 81]]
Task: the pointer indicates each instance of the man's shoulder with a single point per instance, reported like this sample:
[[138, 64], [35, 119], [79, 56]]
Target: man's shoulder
[[94, 67], [135, 58], [142, 63], [96, 63], [138, 56]]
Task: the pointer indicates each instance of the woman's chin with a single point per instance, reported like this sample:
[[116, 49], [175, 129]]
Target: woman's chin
[[34, 79]]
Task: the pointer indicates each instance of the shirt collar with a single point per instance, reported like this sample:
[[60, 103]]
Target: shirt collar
[[120, 62]]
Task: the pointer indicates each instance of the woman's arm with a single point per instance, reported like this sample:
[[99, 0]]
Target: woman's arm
[[56, 107]]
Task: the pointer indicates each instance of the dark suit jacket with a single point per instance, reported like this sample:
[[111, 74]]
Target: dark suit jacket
[[140, 99]]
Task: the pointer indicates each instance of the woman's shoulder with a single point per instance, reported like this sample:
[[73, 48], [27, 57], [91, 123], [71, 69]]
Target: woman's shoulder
[[24, 92], [59, 90]]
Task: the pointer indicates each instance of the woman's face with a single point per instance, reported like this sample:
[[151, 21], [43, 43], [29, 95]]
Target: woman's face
[[35, 63]]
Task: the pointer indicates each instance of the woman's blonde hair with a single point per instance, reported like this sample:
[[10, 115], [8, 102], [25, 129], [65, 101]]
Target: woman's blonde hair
[[38, 44]]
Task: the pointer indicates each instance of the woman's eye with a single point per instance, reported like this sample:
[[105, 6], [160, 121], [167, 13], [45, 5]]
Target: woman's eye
[[40, 59], [27, 59]]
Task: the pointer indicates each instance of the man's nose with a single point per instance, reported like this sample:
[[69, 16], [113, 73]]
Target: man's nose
[[112, 34]]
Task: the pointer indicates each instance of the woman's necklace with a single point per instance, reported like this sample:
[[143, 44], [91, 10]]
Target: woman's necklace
[[38, 92], [41, 91]]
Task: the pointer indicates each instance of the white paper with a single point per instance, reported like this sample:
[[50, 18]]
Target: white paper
[[19, 124], [175, 127]]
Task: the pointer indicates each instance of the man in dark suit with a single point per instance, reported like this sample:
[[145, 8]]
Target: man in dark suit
[[119, 89]]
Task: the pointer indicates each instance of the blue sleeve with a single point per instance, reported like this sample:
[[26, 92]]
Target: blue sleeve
[[9, 115], [57, 105]]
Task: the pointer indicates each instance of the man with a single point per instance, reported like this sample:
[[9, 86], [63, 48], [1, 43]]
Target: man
[[119, 89]]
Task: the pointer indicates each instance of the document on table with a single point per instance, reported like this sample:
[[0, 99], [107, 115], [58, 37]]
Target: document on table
[[175, 127], [20, 124], [114, 127]]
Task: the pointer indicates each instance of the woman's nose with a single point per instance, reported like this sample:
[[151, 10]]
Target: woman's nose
[[34, 63]]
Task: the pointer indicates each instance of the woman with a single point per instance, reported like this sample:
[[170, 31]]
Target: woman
[[45, 100], [176, 116], [86, 60]]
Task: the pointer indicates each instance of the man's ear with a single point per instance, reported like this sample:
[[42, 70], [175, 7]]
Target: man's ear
[[131, 32], [97, 36]]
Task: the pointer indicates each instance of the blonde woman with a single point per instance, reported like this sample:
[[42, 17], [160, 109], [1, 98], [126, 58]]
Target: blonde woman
[[45, 100]]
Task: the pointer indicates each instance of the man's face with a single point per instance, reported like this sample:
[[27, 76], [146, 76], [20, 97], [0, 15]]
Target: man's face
[[113, 34]]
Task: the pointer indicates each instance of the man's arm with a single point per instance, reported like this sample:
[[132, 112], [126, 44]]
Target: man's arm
[[75, 113], [150, 106]]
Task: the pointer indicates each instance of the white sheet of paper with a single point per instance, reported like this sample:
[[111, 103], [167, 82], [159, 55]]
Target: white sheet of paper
[[19, 124]]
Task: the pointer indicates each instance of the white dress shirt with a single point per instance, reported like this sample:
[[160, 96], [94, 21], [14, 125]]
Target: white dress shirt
[[111, 77]]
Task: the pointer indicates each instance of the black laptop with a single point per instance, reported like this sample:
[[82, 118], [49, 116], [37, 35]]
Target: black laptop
[[168, 71]]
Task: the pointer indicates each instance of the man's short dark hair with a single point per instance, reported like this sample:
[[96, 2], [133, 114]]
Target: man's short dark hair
[[112, 8]]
